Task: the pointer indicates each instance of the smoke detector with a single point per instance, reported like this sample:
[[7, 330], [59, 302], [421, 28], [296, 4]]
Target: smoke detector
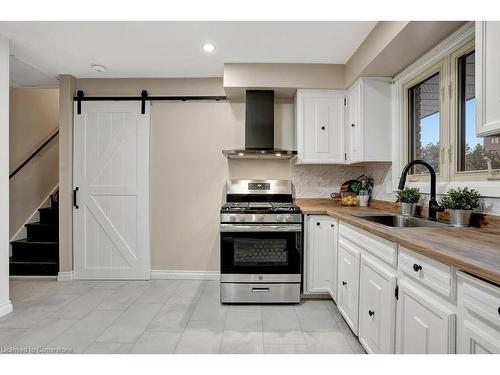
[[98, 68]]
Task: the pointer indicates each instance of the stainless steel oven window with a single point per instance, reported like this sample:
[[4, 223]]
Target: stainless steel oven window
[[260, 252]]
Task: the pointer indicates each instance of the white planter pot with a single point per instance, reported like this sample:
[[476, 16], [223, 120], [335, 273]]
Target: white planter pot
[[460, 218]]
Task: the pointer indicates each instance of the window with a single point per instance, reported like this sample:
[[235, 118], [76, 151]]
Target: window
[[473, 151], [424, 110]]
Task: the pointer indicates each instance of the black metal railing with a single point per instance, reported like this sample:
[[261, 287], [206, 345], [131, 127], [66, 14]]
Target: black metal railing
[[34, 153]]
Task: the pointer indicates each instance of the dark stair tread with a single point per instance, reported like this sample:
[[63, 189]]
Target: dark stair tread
[[48, 209], [36, 224], [33, 262], [34, 242]]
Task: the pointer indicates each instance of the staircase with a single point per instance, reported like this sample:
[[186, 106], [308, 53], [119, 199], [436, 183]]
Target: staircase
[[38, 254]]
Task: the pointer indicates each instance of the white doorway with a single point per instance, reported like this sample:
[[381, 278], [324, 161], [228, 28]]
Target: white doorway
[[111, 179]]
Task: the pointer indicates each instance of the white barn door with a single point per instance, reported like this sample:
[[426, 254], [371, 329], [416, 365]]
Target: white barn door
[[111, 175]]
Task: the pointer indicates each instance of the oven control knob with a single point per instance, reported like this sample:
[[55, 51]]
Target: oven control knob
[[260, 217], [288, 218], [241, 218], [280, 217]]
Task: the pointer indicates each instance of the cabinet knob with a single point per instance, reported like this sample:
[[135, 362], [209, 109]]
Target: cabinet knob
[[353, 125], [323, 128], [344, 282], [332, 225], [371, 312], [417, 267], [499, 310], [318, 223]]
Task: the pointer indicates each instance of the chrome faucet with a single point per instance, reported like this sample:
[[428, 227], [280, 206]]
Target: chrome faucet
[[434, 207]]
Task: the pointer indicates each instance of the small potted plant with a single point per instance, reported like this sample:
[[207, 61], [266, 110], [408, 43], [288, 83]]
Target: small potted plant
[[408, 197], [460, 202]]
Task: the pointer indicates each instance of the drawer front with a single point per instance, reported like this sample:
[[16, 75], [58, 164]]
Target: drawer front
[[259, 293], [377, 246], [428, 272], [480, 299]]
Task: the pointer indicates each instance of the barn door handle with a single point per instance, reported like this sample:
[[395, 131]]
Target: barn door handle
[[75, 190]]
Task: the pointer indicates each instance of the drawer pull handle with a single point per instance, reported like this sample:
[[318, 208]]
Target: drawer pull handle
[[371, 312], [417, 267], [344, 282], [256, 290]]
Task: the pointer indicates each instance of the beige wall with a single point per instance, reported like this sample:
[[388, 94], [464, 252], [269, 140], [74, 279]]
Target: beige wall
[[188, 170], [67, 85], [34, 116]]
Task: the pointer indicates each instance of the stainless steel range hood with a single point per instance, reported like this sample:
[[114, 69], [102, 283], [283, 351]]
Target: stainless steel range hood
[[259, 129]]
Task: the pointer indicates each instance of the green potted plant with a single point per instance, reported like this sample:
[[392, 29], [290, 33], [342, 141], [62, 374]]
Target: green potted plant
[[408, 197], [460, 202]]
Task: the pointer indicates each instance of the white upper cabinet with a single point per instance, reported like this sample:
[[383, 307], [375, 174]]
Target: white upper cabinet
[[320, 126], [368, 125], [487, 78], [321, 255]]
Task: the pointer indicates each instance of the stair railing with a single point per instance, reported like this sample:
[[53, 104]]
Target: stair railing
[[34, 153]]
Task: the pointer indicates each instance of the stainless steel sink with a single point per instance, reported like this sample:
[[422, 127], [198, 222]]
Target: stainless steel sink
[[400, 221]]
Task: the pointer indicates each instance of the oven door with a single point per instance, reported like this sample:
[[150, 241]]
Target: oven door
[[268, 252]]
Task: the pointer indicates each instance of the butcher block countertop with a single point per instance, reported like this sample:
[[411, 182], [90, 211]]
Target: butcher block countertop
[[472, 250]]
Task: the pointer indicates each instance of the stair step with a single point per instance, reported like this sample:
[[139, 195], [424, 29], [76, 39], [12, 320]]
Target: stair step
[[49, 215], [33, 268], [42, 232], [34, 251]]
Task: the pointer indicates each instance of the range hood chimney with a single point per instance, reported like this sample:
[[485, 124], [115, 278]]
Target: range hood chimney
[[259, 129]]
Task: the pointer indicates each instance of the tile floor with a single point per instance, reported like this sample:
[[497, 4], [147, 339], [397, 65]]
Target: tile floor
[[164, 316]]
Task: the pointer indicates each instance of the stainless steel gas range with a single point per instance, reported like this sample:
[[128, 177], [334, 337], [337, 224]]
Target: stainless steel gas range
[[261, 243]]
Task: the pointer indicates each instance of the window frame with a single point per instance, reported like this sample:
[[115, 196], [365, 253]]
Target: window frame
[[484, 184], [440, 67], [456, 173]]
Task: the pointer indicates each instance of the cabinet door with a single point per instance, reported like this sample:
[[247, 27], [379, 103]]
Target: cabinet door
[[321, 137], [321, 254], [487, 78], [348, 283], [424, 325], [377, 307], [476, 338], [354, 125]]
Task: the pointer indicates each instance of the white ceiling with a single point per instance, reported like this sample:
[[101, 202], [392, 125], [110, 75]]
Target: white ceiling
[[43, 50]]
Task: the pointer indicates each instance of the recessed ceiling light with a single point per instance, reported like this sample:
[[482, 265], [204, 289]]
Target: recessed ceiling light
[[98, 68], [208, 47]]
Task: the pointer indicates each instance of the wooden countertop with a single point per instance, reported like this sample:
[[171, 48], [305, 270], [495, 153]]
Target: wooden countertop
[[469, 249]]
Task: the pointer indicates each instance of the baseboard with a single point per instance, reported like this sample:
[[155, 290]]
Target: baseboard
[[184, 275], [65, 276], [33, 277], [5, 309]]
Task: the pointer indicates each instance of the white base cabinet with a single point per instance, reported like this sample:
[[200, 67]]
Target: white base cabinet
[[478, 326], [424, 325], [348, 283], [377, 307], [321, 255]]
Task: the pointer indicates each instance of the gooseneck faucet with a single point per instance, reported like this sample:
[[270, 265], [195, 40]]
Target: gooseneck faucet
[[434, 207]]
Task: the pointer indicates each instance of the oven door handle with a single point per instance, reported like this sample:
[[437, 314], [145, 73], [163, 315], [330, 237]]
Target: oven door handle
[[261, 228]]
